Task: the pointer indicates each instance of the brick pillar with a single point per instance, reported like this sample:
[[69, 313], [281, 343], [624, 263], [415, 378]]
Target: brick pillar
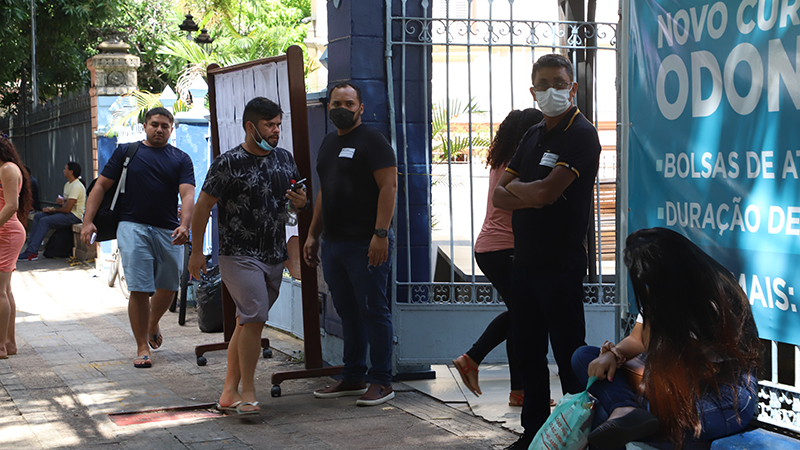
[[113, 73]]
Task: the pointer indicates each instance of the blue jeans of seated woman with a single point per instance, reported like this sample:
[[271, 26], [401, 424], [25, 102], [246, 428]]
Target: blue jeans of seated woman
[[358, 291], [719, 414]]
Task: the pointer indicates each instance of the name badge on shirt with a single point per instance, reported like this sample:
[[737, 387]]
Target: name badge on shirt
[[347, 153], [549, 159]]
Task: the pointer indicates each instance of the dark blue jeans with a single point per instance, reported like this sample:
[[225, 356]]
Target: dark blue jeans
[[358, 291], [43, 222], [720, 414]]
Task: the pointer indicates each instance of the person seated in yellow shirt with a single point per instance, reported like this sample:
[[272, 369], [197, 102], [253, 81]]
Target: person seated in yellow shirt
[[72, 202]]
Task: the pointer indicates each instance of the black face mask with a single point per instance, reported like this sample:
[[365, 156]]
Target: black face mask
[[342, 118]]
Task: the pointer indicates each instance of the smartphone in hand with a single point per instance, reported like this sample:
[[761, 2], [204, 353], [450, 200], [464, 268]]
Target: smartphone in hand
[[297, 185]]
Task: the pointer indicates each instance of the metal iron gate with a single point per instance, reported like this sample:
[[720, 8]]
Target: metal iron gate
[[58, 131], [475, 67]]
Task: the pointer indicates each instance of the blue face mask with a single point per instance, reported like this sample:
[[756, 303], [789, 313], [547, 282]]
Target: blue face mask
[[263, 142]]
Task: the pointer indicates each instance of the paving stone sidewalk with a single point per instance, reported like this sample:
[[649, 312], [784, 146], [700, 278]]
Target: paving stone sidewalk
[[75, 366]]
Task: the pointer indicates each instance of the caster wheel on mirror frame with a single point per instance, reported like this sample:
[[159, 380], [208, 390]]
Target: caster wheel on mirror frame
[[266, 353], [276, 391], [201, 360]]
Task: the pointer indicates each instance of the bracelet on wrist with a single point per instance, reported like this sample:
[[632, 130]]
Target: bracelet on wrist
[[609, 347]]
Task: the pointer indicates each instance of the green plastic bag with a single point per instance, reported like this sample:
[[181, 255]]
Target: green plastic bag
[[569, 424]]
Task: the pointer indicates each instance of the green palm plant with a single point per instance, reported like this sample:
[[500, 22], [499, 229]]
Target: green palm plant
[[454, 145]]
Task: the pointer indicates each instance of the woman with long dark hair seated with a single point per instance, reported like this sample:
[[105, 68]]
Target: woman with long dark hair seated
[[701, 344]]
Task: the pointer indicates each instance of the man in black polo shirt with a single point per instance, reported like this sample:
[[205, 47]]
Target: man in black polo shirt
[[358, 173], [548, 184]]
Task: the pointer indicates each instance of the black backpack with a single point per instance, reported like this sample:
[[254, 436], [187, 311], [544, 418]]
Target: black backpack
[[106, 219], [60, 243]]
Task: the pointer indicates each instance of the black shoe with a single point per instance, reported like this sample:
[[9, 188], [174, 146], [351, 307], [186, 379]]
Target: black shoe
[[522, 443], [615, 433]]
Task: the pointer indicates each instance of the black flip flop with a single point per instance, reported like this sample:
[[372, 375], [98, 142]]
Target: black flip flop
[[615, 433], [145, 365]]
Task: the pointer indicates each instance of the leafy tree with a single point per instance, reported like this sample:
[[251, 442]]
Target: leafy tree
[[242, 31], [245, 31], [146, 26], [67, 32]]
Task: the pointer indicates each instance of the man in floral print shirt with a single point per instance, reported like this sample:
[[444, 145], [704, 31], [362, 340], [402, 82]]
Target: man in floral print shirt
[[251, 186]]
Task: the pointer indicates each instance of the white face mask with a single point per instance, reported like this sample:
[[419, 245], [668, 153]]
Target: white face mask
[[553, 102]]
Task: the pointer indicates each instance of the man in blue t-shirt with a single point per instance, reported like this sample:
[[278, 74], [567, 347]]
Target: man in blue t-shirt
[[251, 184], [150, 236]]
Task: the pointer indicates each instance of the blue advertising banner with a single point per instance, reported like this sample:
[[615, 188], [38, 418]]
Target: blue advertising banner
[[714, 140]]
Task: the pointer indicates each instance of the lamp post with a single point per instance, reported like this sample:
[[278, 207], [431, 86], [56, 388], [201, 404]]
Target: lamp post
[[204, 40], [34, 69], [189, 26]]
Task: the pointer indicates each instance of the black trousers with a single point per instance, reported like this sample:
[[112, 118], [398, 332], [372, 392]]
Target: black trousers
[[497, 267], [546, 305]]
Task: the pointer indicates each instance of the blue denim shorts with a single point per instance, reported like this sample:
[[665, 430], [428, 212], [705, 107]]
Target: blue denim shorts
[[149, 259]]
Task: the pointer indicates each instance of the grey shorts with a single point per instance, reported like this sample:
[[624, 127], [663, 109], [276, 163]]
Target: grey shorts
[[149, 259], [253, 284]]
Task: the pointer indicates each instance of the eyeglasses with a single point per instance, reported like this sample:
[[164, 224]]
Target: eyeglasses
[[558, 86]]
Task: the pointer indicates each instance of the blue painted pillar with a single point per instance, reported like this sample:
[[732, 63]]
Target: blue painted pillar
[[105, 148], [192, 138], [356, 52], [105, 145], [411, 73], [191, 135]]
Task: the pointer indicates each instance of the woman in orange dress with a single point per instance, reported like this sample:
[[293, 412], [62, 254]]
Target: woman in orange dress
[[15, 203]]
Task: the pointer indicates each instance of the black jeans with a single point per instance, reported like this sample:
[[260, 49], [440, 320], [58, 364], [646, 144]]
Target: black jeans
[[546, 305], [497, 267]]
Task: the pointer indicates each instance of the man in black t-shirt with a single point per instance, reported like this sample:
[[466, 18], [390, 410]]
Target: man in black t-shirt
[[358, 174], [251, 186], [149, 235], [548, 185]]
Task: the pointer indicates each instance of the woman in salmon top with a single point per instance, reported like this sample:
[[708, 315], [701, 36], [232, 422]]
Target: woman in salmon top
[[494, 253], [15, 203]]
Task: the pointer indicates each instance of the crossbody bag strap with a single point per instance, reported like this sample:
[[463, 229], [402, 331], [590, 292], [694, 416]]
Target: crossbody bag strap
[[132, 149]]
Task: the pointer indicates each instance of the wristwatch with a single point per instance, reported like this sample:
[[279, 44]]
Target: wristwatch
[[381, 232]]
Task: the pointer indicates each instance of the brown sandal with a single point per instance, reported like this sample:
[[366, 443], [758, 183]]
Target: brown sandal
[[469, 373]]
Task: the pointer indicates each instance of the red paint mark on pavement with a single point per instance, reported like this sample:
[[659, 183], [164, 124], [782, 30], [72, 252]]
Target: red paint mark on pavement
[[206, 411]]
